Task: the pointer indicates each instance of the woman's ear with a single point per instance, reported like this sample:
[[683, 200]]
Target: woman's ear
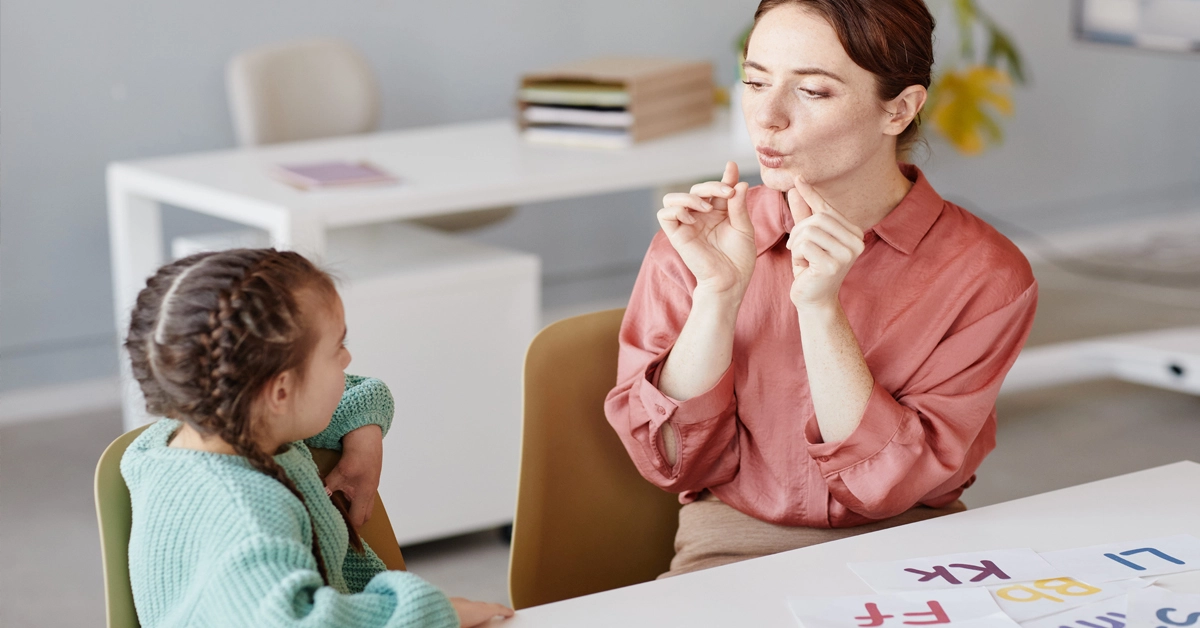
[[903, 108]]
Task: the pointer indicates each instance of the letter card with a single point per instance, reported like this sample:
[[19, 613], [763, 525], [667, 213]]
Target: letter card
[[1156, 607], [902, 610], [973, 569], [1108, 613], [1029, 600], [1130, 559]]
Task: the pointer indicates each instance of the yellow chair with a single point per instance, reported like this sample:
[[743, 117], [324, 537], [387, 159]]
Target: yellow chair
[[586, 520], [114, 513]]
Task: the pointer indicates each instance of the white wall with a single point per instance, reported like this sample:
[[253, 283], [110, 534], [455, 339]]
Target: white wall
[[1099, 133]]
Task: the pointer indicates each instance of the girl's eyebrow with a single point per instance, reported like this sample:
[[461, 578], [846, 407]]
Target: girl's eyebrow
[[799, 71]]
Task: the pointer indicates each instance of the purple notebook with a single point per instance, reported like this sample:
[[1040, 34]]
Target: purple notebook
[[332, 173]]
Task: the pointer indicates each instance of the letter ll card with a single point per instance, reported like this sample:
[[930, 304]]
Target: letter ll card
[[1030, 600], [967, 607], [973, 569], [1108, 613], [1131, 559], [1155, 607]]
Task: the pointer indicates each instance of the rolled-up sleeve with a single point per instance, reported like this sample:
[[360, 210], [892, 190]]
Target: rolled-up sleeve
[[924, 440], [705, 425]]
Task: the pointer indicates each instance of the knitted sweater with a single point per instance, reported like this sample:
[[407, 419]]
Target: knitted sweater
[[214, 542]]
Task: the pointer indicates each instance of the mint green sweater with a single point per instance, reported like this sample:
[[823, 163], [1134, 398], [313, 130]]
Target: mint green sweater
[[216, 543]]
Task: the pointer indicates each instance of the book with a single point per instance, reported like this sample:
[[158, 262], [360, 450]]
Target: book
[[644, 97], [323, 174], [574, 93], [583, 136], [615, 118]]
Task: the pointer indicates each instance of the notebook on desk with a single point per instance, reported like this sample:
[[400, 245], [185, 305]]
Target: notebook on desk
[[325, 174]]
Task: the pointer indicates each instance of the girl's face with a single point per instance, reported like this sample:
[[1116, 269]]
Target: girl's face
[[308, 401], [810, 110]]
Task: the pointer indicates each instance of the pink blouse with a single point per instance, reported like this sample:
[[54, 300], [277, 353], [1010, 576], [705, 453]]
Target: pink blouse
[[941, 304]]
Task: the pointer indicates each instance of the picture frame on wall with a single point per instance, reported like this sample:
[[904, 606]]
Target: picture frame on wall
[[1169, 25]]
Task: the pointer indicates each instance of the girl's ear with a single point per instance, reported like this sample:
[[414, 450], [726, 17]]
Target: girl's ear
[[278, 394], [903, 108]]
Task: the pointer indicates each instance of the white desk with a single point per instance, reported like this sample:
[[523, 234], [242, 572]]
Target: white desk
[[445, 169], [1153, 503]]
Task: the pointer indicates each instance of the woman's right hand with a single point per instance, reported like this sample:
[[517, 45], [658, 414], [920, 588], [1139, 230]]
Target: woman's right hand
[[471, 614], [710, 228]]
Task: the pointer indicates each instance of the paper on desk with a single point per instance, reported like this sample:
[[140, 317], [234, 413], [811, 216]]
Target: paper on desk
[[1029, 600], [967, 607], [1108, 613], [1155, 607], [1130, 559], [972, 569]]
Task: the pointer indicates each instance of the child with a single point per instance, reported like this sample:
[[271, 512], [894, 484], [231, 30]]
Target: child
[[244, 352]]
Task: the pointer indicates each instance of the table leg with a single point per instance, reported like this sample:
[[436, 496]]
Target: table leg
[[136, 241], [301, 234]]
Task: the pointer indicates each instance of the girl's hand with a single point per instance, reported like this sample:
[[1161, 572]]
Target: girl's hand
[[824, 245], [478, 613], [357, 473], [710, 228]]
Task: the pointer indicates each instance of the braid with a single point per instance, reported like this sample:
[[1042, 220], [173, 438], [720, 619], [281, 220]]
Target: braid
[[210, 331]]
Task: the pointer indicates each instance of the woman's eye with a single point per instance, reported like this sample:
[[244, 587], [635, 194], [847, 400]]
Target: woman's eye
[[810, 93], [755, 85]]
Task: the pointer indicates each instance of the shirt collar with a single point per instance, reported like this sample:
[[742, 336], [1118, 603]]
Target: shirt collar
[[903, 228]]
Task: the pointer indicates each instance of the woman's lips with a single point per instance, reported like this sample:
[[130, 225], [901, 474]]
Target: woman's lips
[[769, 158]]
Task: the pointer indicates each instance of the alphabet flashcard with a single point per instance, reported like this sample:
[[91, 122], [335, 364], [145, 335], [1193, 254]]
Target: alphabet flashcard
[[1155, 607], [973, 569], [1030, 600], [1110, 613], [1130, 559], [902, 610]]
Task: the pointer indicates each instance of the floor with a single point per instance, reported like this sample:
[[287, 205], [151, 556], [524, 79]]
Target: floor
[[49, 549]]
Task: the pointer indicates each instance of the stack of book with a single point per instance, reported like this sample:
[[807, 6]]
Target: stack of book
[[616, 101]]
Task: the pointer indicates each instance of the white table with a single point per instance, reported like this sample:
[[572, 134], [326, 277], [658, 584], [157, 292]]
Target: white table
[[1158, 502], [445, 169]]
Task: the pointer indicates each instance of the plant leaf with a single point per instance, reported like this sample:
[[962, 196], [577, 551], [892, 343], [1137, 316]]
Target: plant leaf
[[965, 106]]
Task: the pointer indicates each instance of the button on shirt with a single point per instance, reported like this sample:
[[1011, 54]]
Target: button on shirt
[[940, 303]]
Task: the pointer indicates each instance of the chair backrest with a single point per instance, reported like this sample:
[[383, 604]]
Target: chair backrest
[[301, 90], [115, 514], [586, 520]]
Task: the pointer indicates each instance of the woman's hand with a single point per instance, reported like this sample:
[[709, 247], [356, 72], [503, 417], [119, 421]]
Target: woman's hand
[[357, 473], [824, 245], [472, 614], [710, 228]]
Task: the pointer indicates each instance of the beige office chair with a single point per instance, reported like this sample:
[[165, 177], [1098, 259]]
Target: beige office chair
[[586, 520], [114, 513], [316, 88]]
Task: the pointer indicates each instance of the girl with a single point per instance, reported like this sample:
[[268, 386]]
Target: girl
[[244, 352], [819, 356]]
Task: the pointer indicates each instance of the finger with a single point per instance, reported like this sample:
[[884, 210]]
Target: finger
[[731, 174], [739, 213], [826, 223], [852, 228], [360, 511], [823, 239], [671, 217], [712, 189], [691, 201], [811, 197], [819, 261], [800, 210]]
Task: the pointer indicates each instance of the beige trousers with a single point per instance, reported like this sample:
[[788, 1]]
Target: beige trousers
[[712, 533]]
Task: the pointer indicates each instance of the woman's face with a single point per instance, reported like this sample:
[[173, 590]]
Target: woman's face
[[810, 110]]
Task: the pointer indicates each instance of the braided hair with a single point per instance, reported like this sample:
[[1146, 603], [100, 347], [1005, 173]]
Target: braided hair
[[210, 331]]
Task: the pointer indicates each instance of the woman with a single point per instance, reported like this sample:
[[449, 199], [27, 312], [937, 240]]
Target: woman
[[819, 356]]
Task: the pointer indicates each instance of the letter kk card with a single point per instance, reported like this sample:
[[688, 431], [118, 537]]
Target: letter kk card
[[956, 571], [968, 607]]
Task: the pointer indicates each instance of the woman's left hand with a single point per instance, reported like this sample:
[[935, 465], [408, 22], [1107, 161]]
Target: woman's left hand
[[357, 473], [824, 245]]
